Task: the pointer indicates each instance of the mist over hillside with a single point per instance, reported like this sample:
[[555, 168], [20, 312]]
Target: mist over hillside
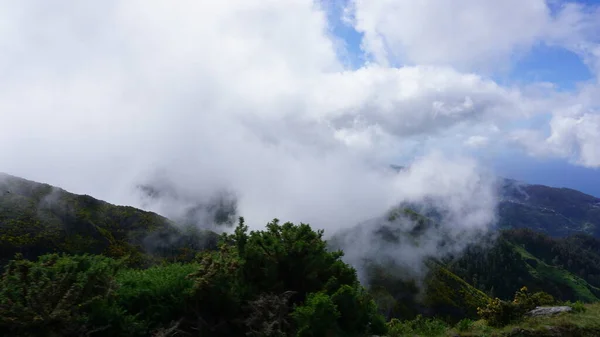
[[222, 168], [415, 259], [432, 224]]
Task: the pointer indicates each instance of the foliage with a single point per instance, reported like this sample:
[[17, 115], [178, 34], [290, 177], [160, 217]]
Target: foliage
[[269, 316], [441, 293], [450, 296], [158, 294], [55, 294], [418, 326], [148, 277], [464, 324], [577, 306], [500, 313], [564, 268], [585, 323], [37, 219], [219, 292], [317, 317], [251, 266]]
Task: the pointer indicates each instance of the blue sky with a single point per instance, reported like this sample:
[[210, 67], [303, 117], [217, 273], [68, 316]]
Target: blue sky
[[564, 68]]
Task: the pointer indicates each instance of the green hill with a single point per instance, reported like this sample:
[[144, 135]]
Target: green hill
[[38, 218], [567, 268]]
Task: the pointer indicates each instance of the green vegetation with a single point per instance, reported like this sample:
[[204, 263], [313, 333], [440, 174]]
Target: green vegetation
[[499, 313], [565, 268], [58, 295], [37, 219], [581, 323], [584, 323], [419, 326], [157, 294], [77, 266], [277, 282]]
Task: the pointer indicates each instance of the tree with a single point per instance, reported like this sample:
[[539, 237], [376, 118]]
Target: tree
[[249, 267], [317, 318]]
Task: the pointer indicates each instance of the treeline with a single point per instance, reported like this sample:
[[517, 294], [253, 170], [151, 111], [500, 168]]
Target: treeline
[[567, 268]]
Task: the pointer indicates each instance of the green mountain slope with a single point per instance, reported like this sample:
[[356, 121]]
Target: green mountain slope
[[442, 293], [560, 267], [567, 268], [38, 218]]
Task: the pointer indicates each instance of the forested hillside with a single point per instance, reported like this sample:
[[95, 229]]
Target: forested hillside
[[566, 268], [143, 275], [38, 218]]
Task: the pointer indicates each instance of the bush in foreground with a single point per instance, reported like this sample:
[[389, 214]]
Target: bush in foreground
[[57, 295], [429, 327], [499, 313]]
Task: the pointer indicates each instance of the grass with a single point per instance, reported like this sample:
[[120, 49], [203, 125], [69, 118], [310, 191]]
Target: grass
[[582, 323], [586, 323], [579, 286]]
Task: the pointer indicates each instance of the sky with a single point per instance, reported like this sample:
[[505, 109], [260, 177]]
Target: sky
[[295, 107]]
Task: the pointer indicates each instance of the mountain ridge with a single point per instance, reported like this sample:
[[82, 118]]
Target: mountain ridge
[[558, 212], [37, 218]]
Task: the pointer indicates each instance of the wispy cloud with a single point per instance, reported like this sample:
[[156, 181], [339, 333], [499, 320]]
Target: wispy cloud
[[252, 97]]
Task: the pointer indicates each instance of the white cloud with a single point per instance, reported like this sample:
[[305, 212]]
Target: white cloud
[[576, 28], [486, 35], [477, 141], [462, 33], [246, 96], [249, 96], [413, 100], [470, 34], [574, 135]]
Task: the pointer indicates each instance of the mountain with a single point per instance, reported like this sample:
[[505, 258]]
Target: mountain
[[544, 243], [403, 267], [558, 212], [408, 263], [38, 218], [567, 268]]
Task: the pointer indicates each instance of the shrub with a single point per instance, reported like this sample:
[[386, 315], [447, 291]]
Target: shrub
[[526, 301], [500, 313], [541, 298], [317, 317], [57, 295], [464, 324], [578, 307], [358, 312], [231, 282], [269, 316], [158, 295], [428, 327]]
